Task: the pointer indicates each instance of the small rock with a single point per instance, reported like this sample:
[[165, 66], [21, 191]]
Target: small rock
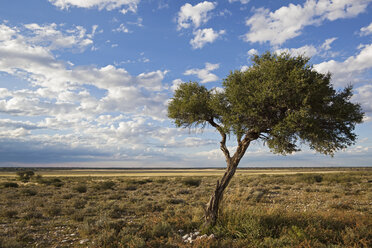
[[72, 234], [83, 241], [211, 236], [180, 231], [64, 241], [185, 236], [196, 233], [204, 236]]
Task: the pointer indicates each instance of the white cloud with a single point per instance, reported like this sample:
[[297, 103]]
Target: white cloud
[[287, 22], [364, 31], [310, 50], [363, 95], [61, 97], [205, 74], [194, 15], [252, 52], [126, 5], [55, 37], [204, 36], [307, 50], [122, 28], [175, 84], [327, 43], [241, 1], [349, 71], [244, 68]]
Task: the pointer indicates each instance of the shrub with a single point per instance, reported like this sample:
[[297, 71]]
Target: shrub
[[57, 182], [140, 182], [131, 187], [192, 182], [25, 175], [162, 180], [10, 185], [78, 216], [161, 229], [116, 212], [54, 211], [176, 201], [29, 192], [310, 178], [105, 185], [10, 213], [184, 192], [32, 214], [82, 188], [79, 203], [54, 181]]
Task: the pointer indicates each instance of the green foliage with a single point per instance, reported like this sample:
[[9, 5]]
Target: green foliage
[[25, 175], [281, 99]]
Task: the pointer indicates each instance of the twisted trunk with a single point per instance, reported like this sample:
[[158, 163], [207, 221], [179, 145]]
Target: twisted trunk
[[211, 212]]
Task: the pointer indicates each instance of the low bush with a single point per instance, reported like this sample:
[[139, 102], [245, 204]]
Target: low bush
[[130, 187], [79, 203], [10, 185], [192, 182], [25, 175], [10, 213], [310, 178], [81, 188], [54, 210], [176, 201], [105, 185], [29, 192]]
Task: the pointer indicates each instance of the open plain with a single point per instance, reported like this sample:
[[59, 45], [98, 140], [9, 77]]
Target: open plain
[[312, 207]]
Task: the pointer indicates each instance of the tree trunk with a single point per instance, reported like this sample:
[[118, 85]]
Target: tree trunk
[[211, 212]]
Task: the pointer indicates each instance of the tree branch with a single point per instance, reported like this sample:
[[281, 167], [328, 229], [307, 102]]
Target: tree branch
[[243, 145], [223, 141]]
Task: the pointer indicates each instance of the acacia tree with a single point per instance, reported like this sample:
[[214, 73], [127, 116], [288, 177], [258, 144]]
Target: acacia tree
[[280, 100]]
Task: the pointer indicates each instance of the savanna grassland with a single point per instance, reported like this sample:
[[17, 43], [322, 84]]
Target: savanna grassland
[[261, 208]]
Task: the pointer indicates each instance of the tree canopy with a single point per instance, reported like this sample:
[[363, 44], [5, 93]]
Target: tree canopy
[[281, 99]]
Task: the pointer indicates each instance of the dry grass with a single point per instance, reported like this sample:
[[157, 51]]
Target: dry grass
[[312, 208]]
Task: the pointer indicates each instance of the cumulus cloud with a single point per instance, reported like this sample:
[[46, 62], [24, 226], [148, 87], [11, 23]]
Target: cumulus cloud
[[82, 107], [204, 36], [349, 71], [364, 31], [309, 50], [196, 15], [124, 5], [205, 74], [288, 22], [175, 84], [363, 95], [49, 36]]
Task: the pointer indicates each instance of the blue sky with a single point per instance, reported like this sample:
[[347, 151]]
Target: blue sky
[[86, 82]]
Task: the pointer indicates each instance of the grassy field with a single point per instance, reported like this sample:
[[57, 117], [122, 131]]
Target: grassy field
[[157, 208]]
